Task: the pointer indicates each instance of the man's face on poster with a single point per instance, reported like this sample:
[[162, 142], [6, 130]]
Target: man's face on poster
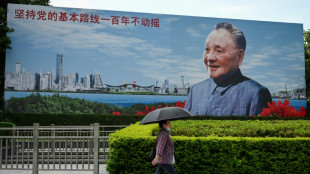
[[221, 55]]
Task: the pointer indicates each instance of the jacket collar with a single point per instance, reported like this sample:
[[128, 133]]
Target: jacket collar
[[223, 84]]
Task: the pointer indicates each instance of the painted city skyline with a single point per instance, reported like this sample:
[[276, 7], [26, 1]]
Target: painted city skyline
[[21, 79], [147, 54]]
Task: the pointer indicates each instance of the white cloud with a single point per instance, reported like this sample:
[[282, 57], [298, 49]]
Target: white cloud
[[298, 67], [190, 48], [173, 66], [192, 32], [171, 19], [234, 9], [205, 27]]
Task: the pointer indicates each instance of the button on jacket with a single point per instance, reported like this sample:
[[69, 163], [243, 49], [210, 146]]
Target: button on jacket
[[236, 96], [164, 147]]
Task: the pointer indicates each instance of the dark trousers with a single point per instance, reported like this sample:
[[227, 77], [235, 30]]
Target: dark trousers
[[165, 167]]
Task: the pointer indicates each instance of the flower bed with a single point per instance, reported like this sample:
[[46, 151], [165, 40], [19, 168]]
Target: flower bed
[[283, 110]]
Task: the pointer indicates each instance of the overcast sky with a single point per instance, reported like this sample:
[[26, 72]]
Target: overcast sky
[[293, 11]]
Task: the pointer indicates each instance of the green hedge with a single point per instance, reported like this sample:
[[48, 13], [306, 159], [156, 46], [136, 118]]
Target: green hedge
[[27, 119], [130, 147], [242, 128], [5, 124]]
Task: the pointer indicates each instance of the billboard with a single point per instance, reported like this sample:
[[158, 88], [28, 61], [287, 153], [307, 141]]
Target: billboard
[[116, 60]]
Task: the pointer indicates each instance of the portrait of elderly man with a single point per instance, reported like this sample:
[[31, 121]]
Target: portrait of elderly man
[[227, 92]]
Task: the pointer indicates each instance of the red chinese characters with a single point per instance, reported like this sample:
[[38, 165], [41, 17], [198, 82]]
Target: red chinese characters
[[63, 16], [74, 17], [19, 13], [85, 18], [30, 14], [135, 20], [125, 20], [115, 20], [145, 22], [155, 22], [41, 15], [52, 16], [94, 18]]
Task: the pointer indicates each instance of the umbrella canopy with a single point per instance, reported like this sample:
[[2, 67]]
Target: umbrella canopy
[[169, 113]]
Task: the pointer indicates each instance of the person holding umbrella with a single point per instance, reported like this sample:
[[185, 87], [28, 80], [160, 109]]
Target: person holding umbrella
[[164, 150], [164, 158]]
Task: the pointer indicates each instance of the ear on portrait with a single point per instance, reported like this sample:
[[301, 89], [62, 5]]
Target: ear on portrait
[[241, 56]]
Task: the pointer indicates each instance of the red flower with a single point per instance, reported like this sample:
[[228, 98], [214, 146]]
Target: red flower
[[140, 113], [282, 110], [116, 113], [148, 110], [180, 104]]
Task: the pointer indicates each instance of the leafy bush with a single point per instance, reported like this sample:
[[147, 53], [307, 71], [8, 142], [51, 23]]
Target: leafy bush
[[59, 104], [27, 119], [239, 128], [56, 104], [5, 124], [130, 147]]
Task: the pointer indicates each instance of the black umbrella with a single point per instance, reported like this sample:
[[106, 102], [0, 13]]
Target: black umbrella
[[168, 113]]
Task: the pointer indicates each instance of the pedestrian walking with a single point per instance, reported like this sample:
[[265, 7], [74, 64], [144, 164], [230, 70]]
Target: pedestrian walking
[[164, 158]]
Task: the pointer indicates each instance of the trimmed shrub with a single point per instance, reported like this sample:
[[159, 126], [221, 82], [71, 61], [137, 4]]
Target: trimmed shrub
[[130, 147], [5, 124], [27, 119], [242, 128]]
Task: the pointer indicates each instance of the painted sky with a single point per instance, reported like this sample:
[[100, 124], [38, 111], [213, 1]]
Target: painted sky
[[274, 55], [263, 10]]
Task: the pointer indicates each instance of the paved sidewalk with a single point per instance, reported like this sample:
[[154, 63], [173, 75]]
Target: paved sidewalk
[[102, 170]]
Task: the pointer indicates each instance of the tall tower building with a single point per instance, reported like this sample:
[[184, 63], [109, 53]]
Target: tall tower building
[[92, 80], [87, 81], [59, 69], [98, 81], [37, 81], [48, 80], [17, 69], [75, 78], [182, 82], [166, 83]]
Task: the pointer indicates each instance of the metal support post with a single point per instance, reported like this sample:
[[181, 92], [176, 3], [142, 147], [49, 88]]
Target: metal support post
[[35, 163], [96, 148]]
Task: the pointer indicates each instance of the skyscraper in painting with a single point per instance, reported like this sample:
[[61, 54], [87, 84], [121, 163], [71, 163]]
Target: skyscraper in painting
[[59, 69]]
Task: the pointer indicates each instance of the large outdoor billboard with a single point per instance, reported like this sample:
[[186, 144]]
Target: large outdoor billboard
[[62, 58]]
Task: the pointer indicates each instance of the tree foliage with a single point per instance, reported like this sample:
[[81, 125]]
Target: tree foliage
[[56, 104], [307, 60], [60, 104]]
